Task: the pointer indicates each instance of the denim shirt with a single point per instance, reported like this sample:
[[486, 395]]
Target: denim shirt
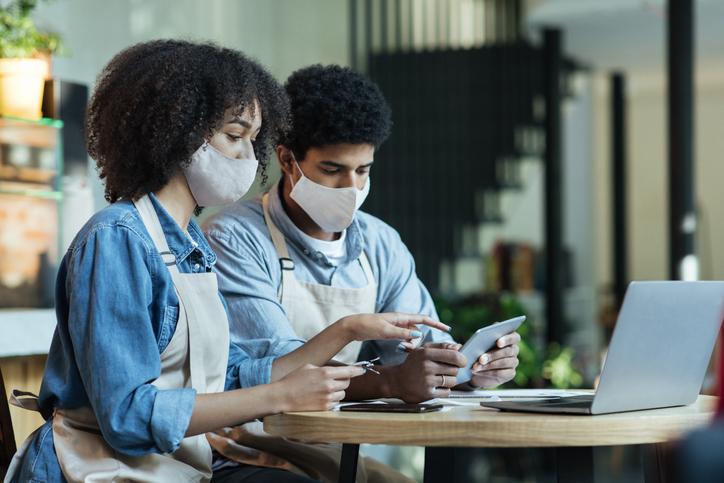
[[117, 311], [250, 275]]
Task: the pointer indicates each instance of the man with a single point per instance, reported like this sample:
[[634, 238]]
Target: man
[[299, 258]]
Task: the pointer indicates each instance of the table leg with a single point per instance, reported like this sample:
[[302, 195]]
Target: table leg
[[575, 464], [439, 464], [653, 463], [348, 463]]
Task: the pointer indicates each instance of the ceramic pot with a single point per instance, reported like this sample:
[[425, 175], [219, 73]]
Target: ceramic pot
[[21, 87]]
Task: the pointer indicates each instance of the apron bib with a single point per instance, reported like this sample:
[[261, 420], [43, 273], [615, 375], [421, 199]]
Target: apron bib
[[310, 308], [196, 357]]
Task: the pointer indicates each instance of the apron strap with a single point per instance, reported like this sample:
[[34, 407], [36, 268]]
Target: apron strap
[[364, 261], [29, 402], [153, 226], [286, 263]]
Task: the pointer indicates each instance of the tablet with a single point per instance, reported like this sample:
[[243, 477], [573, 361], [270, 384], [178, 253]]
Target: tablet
[[482, 341]]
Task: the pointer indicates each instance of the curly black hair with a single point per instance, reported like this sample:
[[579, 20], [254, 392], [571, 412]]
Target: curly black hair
[[156, 102], [333, 105]]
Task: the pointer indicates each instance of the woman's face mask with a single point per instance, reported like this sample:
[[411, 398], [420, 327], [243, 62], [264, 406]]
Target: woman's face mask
[[333, 209], [223, 169], [216, 179]]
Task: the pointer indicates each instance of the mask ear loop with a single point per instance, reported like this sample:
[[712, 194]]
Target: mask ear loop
[[291, 179]]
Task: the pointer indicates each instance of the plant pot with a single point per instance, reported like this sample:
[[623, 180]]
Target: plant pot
[[21, 87]]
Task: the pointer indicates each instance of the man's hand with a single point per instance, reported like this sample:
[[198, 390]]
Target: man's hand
[[497, 366], [420, 376]]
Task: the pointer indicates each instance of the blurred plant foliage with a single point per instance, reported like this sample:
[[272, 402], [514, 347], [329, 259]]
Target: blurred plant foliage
[[20, 38], [551, 367]]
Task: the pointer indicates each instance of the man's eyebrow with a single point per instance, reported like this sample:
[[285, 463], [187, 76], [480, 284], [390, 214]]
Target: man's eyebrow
[[340, 165]]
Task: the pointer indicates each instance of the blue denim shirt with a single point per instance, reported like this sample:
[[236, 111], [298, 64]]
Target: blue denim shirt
[[250, 275], [117, 311]]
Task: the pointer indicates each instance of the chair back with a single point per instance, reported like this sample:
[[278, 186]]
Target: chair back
[[7, 436]]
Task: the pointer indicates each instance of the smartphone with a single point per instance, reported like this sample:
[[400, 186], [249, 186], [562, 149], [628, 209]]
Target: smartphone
[[482, 341], [392, 408]]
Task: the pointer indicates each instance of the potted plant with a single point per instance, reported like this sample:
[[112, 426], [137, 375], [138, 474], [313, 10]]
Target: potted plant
[[25, 56], [539, 366]]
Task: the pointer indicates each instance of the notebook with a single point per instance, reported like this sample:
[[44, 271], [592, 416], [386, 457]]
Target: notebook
[[658, 355]]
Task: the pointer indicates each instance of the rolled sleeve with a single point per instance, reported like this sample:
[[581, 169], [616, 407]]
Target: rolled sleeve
[[245, 372], [170, 416]]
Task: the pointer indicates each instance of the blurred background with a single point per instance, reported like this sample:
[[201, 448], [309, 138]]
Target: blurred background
[[541, 158]]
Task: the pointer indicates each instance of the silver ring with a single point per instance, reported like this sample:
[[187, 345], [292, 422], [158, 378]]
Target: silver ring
[[443, 380]]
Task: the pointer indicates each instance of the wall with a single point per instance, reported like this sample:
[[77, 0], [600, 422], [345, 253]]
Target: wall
[[647, 188], [524, 211], [283, 35]]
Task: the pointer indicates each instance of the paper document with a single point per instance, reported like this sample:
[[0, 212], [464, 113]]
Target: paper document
[[514, 393], [473, 398]]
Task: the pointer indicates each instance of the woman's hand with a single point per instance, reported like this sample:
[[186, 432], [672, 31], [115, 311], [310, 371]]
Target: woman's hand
[[324, 346], [389, 326], [312, 388], [309, 388]]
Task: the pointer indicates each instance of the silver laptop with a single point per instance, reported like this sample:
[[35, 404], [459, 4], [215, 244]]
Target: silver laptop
[[659, 352]]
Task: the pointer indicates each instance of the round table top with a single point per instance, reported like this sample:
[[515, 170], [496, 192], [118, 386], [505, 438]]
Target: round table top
[[476, 426]]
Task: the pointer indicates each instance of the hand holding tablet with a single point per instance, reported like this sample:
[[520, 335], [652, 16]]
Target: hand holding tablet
[[482, 341]]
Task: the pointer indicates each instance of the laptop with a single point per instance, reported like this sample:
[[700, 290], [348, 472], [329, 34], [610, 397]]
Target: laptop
[[658, 355]]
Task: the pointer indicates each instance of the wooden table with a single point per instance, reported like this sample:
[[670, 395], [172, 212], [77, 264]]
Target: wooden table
[[468, 426]]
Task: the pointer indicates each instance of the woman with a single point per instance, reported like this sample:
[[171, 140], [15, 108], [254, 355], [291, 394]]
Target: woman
[[141, 353]]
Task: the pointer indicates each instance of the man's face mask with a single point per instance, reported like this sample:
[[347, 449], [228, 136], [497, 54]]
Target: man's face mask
[[333, 209]]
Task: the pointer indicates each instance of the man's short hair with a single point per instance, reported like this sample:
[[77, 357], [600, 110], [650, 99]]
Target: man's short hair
[[334, 105]]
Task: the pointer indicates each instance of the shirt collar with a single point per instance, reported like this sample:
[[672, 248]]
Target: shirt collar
[[354, 240], [178, 243]]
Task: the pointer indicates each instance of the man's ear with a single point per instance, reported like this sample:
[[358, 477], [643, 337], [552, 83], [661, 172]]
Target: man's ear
[[284, 155]]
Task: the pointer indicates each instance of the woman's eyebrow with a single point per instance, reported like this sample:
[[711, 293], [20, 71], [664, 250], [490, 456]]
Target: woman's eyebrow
[[240, 121]]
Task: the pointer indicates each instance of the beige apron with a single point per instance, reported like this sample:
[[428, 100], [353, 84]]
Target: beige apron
[[196, 357], [310, 308]]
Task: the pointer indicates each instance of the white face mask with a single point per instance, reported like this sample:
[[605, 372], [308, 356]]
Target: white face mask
[[333, 209], [216, 179]]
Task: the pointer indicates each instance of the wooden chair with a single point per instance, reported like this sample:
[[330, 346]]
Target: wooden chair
[[7, 437]]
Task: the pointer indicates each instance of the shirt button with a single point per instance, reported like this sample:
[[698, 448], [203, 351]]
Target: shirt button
[[196, 267], [319, 254], [306, 252]]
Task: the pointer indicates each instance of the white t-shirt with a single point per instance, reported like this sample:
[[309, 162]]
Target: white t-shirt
[[335, 251]]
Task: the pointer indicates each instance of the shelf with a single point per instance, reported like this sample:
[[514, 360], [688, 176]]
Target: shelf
[[48, 195], [31, 164], [56, 123], [39, 134]]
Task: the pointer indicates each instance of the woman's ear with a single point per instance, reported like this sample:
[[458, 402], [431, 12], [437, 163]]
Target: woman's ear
[[284, 155]]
